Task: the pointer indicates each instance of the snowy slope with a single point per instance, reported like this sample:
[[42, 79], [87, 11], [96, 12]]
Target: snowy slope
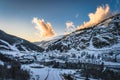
[[103, 36], [13, 43], [44, 44]]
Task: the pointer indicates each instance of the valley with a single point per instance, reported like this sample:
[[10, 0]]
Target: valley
[[89, 54]]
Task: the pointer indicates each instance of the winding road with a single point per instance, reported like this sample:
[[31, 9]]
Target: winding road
[[53, 74], [46, 74]]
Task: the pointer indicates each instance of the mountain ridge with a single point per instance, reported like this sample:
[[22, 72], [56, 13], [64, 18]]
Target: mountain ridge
[[11, 42], [104, 34]]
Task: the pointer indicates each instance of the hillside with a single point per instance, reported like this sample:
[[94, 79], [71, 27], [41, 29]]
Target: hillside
[[104, 35], [13, 43]]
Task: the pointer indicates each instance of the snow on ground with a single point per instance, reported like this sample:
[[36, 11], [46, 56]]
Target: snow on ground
[[18, 53], [41, 73], [45, 73], [54, 74], [1, 62], [13, 53], [82, 78], [67, 71], [13, 47], [112, 63]]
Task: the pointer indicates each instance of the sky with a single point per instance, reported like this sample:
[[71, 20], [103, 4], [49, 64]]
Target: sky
[[36, 20]]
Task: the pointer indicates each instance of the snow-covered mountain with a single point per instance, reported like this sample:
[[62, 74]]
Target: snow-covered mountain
[[13, 43], [92, 48], [104, 35], [44, 44]]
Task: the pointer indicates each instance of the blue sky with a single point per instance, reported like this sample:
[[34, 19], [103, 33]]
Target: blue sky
[[16, 15]]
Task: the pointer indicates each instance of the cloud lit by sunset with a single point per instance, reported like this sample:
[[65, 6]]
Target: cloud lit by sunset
[[45, 30], [102, 12]]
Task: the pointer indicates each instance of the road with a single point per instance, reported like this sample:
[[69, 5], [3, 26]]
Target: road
[[46, 74], [53, 75]]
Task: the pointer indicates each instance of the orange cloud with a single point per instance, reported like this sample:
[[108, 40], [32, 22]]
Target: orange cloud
[[101, 13], [45, 30]]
